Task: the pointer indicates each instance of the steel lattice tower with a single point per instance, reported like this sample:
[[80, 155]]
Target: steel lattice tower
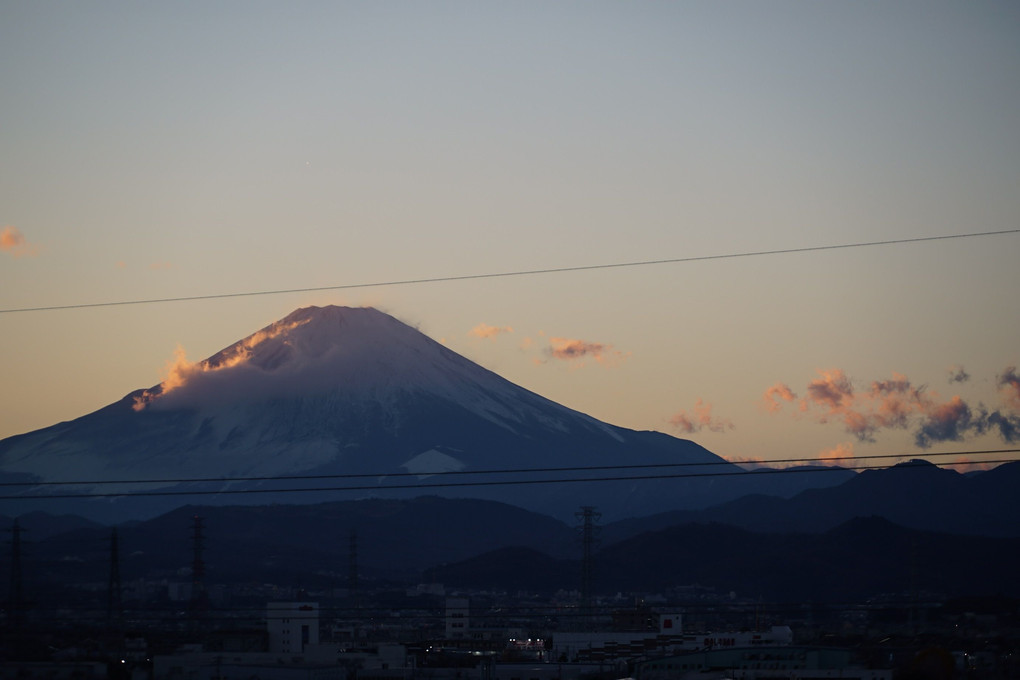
[[352, 574], [113, 592], [199, 601], [16, 602], [588, 517]]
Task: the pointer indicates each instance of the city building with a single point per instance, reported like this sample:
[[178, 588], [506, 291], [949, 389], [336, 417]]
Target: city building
[[292, 626], [754, 663]]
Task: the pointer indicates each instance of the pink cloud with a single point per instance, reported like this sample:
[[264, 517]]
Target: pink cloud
[[964, 464], [777, 393], [896, 403], [564, 348], [12, 241], [683, 423], [484, 330], [833, 390], [567, 349], [700, 418], [1009, 386], [832, 397], [840, 454], [946, 422]]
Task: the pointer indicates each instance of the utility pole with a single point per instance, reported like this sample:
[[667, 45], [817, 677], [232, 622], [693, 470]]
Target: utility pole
[[588, 517]]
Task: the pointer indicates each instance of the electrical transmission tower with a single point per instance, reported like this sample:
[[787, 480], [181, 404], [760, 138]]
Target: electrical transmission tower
[[588, 516], [114, 610], [352, 574], [17, 608], [199, 599]]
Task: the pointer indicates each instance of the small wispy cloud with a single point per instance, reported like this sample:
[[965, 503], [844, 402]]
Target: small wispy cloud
[[1009, 387], [775, 395], [840, 454], [484, 330], [957, 374], [13, 242], [567, 349], [699, 418]]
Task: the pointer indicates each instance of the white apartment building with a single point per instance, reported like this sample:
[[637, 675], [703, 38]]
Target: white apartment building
[[292, 626]]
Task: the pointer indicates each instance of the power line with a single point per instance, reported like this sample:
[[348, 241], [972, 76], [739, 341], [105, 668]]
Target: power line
[[500, 471], [443, 485], [523, 272]]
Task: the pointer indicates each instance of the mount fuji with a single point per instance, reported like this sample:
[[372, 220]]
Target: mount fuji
[[346, 403]]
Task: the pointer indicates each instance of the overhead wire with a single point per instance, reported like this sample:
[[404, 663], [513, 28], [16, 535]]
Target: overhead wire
[[475, 483], [461, 278], [506, 274], [559, 612], [757, 253], [501, 471]]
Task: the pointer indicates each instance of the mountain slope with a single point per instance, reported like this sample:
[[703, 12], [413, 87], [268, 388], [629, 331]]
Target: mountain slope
[[360, 402]]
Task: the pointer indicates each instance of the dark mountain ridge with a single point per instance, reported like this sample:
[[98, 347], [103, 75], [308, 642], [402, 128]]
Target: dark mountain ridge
[[354, 401], [916, 494], [860, 559], [307, 542], [486, 544]]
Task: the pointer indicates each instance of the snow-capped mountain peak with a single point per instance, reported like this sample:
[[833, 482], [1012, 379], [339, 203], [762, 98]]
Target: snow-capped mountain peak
[[349, 353], [337, 390]]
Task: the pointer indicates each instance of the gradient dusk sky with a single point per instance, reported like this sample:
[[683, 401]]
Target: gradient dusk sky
[[169, 149]]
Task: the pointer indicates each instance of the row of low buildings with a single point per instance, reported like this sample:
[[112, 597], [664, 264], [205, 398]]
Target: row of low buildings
[[297, 650]]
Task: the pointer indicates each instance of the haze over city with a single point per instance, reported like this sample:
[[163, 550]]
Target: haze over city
[[180, 150]]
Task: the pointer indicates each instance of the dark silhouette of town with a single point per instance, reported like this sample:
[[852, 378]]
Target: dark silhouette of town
[[80, 607]]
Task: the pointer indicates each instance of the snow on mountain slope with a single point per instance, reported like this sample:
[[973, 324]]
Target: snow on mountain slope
[[339, 391], [339, 353]]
